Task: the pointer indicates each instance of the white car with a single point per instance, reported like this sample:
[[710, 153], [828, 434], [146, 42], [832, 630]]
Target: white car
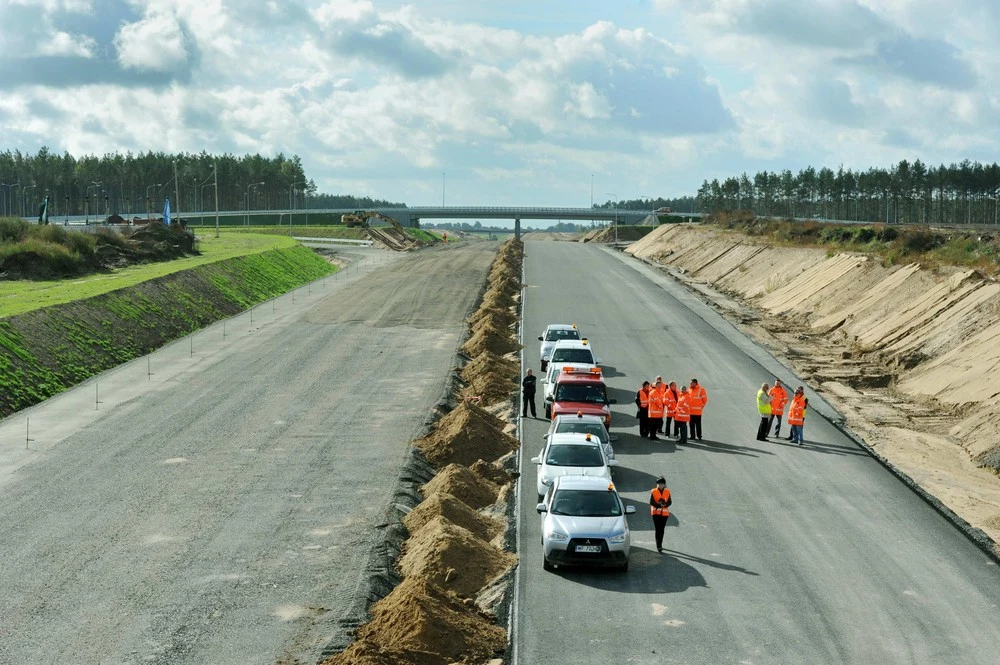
[[571, 454], [568, 353], [584, 523], [555, 332], [583, 423]]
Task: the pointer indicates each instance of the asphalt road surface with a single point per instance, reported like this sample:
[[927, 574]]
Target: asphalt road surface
[[775, 554], [217, 505]]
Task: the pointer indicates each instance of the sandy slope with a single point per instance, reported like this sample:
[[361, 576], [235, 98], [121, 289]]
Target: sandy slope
[[908, 355]]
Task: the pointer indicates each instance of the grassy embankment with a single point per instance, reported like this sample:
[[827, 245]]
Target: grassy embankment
[[929, 247], [56, 334], [332, 231]]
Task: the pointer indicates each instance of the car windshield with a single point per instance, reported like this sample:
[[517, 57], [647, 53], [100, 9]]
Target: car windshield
[[585, 503], [573, 356], [581, 392], [574, 455], [594, 429], [556, 335]]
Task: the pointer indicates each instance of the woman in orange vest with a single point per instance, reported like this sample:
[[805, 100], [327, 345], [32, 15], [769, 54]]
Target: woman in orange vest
[[655, 411], [669, 406], [698, 399], [797, 415], [659, 508], [682, 415], [642, 402]]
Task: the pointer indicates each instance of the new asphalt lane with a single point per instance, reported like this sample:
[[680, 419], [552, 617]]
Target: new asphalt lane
[[775, 553]]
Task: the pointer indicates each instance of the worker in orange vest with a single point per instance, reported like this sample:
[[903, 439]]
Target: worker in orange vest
[[659, 508], [779, 397], [642, 402], [697, 400], [669, 406], [682, 415], [655, 410], [797, 414], [662, 387]]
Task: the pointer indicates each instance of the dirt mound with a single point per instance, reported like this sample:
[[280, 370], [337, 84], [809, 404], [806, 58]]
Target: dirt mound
[[432, 626], [489, 338], [491, 471], [363, 652], [496, 300], [489, 390], [467, 434], [452, 558], [462, 483], [501, 317], [456, 511], [489, 364]]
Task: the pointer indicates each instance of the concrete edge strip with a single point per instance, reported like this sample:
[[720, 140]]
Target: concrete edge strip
[[704, 310], [512, 623]]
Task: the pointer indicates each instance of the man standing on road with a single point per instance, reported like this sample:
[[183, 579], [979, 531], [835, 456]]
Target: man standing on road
[[764, 410], [682, 415], [642, 403], [670, 407], [660, 387], [797, 415], [659, 508], [779, 397], [528, 395], [654, 421], [697, 401]]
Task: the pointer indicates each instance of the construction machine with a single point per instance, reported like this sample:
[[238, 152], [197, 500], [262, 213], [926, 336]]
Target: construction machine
[[361, 219]]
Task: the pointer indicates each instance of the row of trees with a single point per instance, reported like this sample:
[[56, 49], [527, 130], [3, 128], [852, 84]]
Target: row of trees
[[137, 184], [682, 204], [909, 192]]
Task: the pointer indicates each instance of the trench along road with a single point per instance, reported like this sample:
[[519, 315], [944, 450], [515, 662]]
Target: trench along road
[[222, 510], [774, 553]]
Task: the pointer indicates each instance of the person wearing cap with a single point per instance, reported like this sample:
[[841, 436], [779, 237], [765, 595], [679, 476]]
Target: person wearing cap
[[642, 404], [659, 508], [697, 399], [682, 415], [528, 395]]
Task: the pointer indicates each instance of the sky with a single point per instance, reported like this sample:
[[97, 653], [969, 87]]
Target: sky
[[548, 102]]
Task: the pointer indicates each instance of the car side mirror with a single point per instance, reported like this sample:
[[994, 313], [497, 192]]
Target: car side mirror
[[536, 460], [612, 462], [598, 361], [629, 510], [542, 509], [612, 401], [545, 436], [550, 398], [540, 339]]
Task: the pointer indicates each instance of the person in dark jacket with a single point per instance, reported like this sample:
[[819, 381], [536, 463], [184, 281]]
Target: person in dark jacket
[[659, 508], [528, 395], [642, 406]]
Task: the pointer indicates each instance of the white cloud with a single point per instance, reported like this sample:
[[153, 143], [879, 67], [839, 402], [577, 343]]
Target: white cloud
[[154, 43]]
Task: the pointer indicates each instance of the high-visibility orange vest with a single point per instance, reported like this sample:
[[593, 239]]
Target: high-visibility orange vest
[[683, 412], [643, 398], [655, 403], [797, 411], [779, 397], [669, 402], [697, 400], [656, 495]]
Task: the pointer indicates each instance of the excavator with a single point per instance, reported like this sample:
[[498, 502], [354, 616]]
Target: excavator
[[360, 219]]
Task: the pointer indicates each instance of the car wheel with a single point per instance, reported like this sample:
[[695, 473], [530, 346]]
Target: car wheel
[[544, 365], [624, 568], [548, 412], [546, 565]]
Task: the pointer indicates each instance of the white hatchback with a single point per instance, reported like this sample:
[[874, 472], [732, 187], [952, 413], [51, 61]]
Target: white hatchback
[[555, 332], [583, 423], [571, 454]]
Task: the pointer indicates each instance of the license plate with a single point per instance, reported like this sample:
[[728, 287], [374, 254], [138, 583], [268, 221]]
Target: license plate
[[589, 549]]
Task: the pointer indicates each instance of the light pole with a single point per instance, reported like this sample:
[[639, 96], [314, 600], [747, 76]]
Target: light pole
[[8, 200], [442, 188], [249, 187], [148, 202], [86, 199], [12, 196], [615, 198], [591, 191], [24, 198], [291, 202]]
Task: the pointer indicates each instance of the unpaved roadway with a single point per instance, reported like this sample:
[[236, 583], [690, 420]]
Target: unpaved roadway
[[775, 554], [221, 509]]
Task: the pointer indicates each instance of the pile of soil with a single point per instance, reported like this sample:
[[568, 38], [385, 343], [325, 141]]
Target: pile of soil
[[467, 434], [490, 379], [452, 558], [363, 652], [488, 338], [462, 483], [491, 471], [432, 626], [455, 511], [489, 364], [501, 317]]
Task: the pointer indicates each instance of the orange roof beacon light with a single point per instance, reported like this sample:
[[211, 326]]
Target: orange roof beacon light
[[611, 487], [588, 436], [579, 414]]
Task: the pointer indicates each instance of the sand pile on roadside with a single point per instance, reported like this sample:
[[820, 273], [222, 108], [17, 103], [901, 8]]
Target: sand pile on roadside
[[489, 364], [452, 558], [455, 511], [491, 471], [490, 379], [462, 483], [489, 338], [363, 652], [467, 434], [501, 317], [496, 300]]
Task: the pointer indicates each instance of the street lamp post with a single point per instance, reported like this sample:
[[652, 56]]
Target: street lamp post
[[591, 191], [13, 197], [249, 187], [24, 199], [291, 202], [442, 188], [148, 202], [615, 198], [8, 201]]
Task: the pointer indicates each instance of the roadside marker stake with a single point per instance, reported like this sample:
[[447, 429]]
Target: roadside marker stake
[[27, 433], [251, 317], [97, 396], [191, 340], [149, 370], [223, 329], [272, 305]]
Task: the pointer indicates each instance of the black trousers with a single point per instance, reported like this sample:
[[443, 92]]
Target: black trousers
[[682, 432], [666, 425], [653, 425], [528, 401], [659, 522], [696, 426], [643, 415], [765, 422], [777, 428]]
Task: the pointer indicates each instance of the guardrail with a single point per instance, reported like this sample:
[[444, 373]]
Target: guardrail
[[336, 241]]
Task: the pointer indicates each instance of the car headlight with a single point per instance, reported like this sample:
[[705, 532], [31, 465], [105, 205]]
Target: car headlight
[[546, 480], [619, 539], [557, 536]]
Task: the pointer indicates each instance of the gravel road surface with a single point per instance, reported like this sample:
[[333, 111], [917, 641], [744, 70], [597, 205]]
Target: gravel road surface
[[775, 554], [217, 504]]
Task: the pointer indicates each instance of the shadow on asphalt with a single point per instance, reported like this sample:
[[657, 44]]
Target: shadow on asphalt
[[610, 371], [825, 448], [633, 444], [633, 480], [708, 445], [622, 396]]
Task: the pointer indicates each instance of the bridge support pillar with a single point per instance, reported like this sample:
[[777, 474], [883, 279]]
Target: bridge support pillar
[[517, 228]]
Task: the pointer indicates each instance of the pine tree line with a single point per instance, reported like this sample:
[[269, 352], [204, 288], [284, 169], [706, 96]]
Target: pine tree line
[[909, 192]]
